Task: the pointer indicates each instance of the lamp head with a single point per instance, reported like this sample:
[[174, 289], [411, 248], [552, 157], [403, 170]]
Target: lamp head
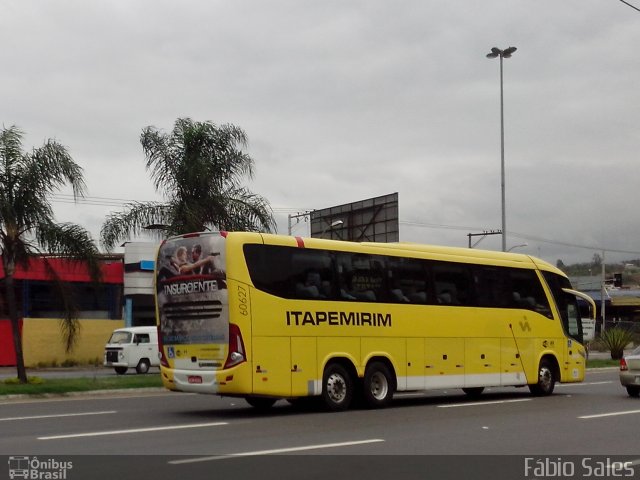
[[494, 52], [508, 52]]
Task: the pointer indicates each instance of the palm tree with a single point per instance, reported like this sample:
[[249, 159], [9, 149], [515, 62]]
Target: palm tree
[[27, 226], [198, 168]]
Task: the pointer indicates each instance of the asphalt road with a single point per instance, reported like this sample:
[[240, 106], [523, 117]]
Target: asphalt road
[[187, 434]]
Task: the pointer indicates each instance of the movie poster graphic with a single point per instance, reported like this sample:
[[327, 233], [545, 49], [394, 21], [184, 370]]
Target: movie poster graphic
[[192, 294]]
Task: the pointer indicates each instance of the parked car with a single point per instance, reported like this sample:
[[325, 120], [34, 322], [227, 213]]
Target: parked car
[[630, 373], [133, 347]]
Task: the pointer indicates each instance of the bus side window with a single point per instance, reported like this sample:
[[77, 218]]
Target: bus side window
[[312, 274], [407, 280], [573, 316], [361, 277], [492, 286], [313, 286], [527, 292], [452, 284]]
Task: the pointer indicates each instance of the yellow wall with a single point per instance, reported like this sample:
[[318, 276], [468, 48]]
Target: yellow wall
[[42, 341]]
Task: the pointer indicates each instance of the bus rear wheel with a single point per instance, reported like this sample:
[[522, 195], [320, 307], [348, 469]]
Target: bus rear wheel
[[337, 387], [378, 385], [546, 379]]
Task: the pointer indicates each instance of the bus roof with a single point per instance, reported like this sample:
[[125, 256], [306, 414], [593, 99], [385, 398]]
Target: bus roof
[[453, 253]]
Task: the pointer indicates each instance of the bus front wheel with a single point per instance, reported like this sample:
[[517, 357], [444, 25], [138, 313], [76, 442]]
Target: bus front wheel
[[546, 379], [337, 387], [378, 385]]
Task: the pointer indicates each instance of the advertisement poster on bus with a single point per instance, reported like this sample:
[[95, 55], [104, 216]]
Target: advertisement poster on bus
[[192, 298]]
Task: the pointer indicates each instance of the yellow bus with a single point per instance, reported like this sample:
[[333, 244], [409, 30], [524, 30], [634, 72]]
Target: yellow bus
[[268, 317]]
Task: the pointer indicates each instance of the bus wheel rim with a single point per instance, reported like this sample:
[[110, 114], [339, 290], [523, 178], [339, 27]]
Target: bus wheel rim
[[546, 378], [336, 388], [379, 386]]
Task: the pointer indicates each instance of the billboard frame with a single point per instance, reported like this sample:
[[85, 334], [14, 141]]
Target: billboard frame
[[371, 220]]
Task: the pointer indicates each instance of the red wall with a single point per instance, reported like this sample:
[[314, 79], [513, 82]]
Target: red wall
[[67, 270], [7, 352], [112, 272]]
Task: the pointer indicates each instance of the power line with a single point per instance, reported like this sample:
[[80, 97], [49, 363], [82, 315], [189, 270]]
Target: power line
[[123, 202], [439, 225], [525, 236], [632, 6], [120, 202], [101, 201]]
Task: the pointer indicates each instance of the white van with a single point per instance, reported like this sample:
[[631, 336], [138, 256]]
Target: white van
[[132, 347]]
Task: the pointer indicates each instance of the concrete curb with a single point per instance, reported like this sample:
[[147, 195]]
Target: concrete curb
[[88, 393]]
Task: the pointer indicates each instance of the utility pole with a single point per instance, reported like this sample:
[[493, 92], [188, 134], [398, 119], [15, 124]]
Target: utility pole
[[297, 216]]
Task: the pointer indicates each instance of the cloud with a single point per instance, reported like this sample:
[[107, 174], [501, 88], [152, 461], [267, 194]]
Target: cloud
[[349, 100]]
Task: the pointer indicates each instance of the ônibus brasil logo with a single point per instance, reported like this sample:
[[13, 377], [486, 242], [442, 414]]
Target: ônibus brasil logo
[[38, 469]]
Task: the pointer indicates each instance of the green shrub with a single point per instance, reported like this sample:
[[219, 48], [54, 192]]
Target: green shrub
[[69, 362], [30, 381], [615, 340]]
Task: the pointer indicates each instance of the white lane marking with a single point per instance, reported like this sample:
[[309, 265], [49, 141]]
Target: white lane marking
[[83, 396], [275, 451], [582, 384], [59, 415], [134, 430], [476, 404], [610, 414]]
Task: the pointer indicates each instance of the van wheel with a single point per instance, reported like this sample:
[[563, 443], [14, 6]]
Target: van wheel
[[120, 370], [546, 379], [378, 385], [337, 387], [143, 366]]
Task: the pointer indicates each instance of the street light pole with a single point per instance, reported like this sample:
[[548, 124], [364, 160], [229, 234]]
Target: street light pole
[[506, 53]]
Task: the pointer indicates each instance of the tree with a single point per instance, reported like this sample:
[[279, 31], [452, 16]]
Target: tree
[[198, 168], [596, 261], [27, 226]]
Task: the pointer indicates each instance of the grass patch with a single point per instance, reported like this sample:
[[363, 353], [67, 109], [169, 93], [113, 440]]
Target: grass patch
[[602, 362], [41, 386]]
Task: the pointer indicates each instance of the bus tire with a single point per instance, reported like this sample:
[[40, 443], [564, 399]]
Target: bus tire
[[473, 392], [260, 403], [378, 385], [546, 379], [143, 366], [120, 370], [337, 387]]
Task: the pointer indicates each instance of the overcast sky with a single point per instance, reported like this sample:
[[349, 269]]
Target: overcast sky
[[347, 100]]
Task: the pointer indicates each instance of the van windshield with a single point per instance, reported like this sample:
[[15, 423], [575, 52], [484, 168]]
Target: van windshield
[[120, 337]]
